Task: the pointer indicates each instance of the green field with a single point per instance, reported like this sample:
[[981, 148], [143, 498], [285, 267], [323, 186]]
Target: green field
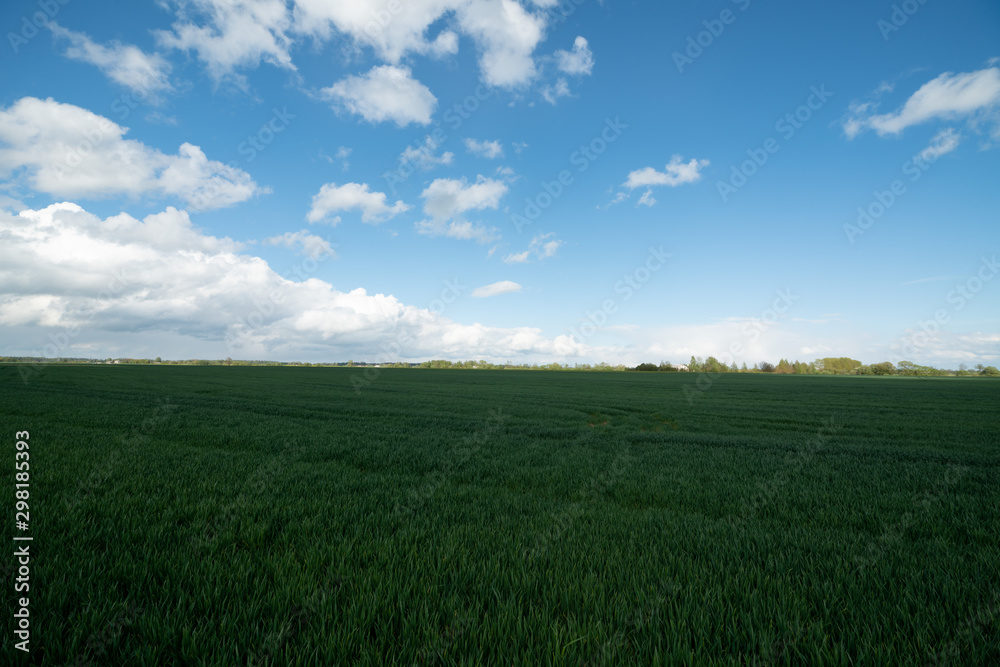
[[275, 516]]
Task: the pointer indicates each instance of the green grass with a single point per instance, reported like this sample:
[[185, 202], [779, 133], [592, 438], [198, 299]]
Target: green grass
[[258, 516]]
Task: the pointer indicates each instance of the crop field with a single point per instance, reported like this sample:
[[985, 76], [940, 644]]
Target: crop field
[[277, 516]]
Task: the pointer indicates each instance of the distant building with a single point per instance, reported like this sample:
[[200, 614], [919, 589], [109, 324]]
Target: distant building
[[680, 367]]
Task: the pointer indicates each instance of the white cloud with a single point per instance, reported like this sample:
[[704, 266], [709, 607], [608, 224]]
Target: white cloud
[[579, 61], [486, 149], [507, 35], [462, 230], [302, 241], [343, 152], [422, 156], [507, 174], [386, 93], [949, 96], [501, 287], [943, 142], [160, 287], [68, 151], [391, 32], [676, 173], [646, 199], [235, 34], [145, 74], [332, 198], [553, 93], [446, 199], [542, 246], [232, 34]]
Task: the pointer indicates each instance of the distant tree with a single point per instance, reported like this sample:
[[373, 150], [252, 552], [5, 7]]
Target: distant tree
[[766, 367], [229, 361], [980, 368], [158, 360], [883, 368], [743, 368], [839, 365], [784, 367], [694, 365], [990, 371], [713, 365], [733, 368], [647, 367]]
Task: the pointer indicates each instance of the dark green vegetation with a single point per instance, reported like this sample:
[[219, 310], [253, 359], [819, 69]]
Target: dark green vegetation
[[228, 516]]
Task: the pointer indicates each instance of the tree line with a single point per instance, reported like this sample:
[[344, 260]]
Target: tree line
[[824, 366]]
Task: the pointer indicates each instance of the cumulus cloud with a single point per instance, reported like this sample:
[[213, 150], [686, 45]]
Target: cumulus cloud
[[551, 94], [943, 142], [501, 287], [949, 96], [385, 93], [145, 74], [447, 199], [507, 35], [332, 198], [579, 61], [542, 246], [67, 151], [676, 173], [228, 35], [95, 283], [302, 241], [486, 149], [423, 155]]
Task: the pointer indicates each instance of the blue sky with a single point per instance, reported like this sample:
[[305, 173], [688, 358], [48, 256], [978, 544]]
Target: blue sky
[[323, 181]]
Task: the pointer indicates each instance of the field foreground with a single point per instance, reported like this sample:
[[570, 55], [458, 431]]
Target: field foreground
[[259, 516]]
